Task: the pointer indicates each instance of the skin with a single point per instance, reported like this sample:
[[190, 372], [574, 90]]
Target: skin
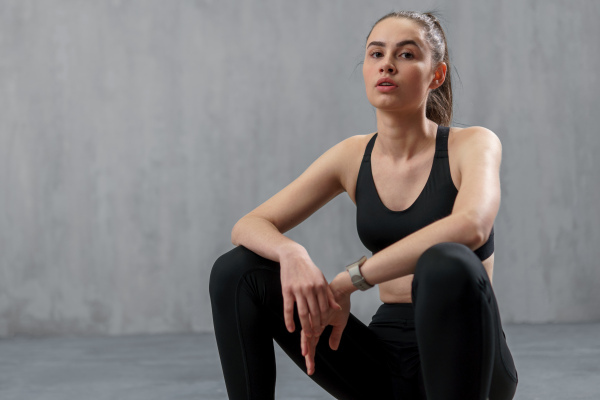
[[401, 161]]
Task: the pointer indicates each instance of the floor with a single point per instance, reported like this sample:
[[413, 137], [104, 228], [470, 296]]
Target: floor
[[555, 362]]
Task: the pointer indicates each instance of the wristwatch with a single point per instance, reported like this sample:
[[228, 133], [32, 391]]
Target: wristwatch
[[356, 277]]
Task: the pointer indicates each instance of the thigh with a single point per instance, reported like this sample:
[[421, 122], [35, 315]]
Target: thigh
[[394, 325], [358, 369], [459, 329]]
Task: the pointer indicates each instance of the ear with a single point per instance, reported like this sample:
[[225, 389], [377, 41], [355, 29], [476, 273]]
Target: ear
[[439, 76]]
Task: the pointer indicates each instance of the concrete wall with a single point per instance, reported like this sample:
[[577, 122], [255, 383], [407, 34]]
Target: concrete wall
[[134, 134]]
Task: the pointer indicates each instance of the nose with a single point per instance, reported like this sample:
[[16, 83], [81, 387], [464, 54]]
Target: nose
[[387, 64], [387, 67]]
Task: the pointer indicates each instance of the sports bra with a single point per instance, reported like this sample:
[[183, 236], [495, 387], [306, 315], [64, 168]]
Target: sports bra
[[379, 227]]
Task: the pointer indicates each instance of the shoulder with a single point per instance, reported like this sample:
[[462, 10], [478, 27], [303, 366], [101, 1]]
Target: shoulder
[[348, 155], [473, 150], [356, 142], [348, 149], [473, 137], [345, 156], [474, 142]]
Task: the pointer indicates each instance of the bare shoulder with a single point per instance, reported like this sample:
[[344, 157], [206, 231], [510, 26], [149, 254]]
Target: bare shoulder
[[344, 153], [323, 180], [356, 142], [469, 149], [473, 136], [354, 148]]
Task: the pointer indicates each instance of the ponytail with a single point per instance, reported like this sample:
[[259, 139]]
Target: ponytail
[[439, 102]]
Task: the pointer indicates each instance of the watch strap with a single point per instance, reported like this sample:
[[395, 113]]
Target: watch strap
[[358, 280]]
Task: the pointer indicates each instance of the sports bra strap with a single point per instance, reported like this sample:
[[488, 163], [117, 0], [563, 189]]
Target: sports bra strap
[[441, 142], [369, 149]]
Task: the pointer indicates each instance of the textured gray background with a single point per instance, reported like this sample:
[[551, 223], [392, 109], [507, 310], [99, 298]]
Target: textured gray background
[[134, 134]]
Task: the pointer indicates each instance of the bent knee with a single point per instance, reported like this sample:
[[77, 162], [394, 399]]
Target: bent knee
[[231, 267], [447, 264]]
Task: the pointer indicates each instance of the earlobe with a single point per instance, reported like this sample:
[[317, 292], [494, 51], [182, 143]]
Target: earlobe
[[440, 74], [439, 78]]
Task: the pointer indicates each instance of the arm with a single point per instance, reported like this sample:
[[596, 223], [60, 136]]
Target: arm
[[479, 155], [262, 231]]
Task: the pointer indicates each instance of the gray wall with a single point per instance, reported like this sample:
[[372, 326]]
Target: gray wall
[[134, 134]]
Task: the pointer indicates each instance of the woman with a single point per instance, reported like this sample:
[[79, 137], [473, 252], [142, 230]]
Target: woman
[[426, 196]]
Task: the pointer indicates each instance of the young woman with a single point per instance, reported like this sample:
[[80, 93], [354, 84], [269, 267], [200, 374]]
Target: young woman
[[426, 197]]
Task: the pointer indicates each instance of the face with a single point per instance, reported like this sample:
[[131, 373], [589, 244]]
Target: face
[[398, 52]]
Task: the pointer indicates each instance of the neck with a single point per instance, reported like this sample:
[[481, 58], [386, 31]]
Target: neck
[[401, 136]]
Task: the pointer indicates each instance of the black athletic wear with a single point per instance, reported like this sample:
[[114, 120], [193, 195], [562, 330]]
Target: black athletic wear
[[447, 345], [378, 226]]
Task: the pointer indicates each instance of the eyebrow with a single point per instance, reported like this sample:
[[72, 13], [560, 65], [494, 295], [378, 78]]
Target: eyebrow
[[399, 44]]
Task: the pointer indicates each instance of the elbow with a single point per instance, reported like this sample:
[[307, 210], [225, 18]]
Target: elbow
[[479, 238], [478, 229], [239, 230], [235, 234]]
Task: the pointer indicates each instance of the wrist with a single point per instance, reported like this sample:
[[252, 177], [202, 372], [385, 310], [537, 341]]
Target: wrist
[[342, 285], [291, 249], [356, 276]]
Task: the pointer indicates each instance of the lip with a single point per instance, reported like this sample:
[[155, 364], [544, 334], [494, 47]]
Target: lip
[[388, 80], [386, 88]]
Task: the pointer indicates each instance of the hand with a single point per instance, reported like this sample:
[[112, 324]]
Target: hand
[[308, 346], [338, 319], [303, 283]]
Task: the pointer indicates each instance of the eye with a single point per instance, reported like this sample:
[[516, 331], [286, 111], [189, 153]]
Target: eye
[[408, 55], [374, 54]]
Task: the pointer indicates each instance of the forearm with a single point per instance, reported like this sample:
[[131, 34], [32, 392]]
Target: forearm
[[263, 238], [400, 258]]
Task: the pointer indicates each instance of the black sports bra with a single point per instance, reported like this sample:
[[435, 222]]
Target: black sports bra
[[379, 227]]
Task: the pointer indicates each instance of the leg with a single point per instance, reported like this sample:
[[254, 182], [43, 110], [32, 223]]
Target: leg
[[394, 325], [463, 351], [247, 306]]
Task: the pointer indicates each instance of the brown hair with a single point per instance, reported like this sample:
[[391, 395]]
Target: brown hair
[[439, 101]]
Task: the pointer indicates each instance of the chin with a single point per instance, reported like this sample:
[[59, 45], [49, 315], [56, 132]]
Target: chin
[[387, 105]]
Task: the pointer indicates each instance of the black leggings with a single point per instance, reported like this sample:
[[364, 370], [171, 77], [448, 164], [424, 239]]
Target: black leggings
[[449, 345]]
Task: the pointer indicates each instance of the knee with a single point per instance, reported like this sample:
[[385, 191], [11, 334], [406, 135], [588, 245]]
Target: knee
[[448, 268], [229, 269]]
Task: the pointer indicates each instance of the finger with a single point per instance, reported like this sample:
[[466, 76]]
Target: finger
[[316, 329], [336, 337], [332, 303], [304, 348], [303, 314], [314, 309], [323, 303], [309, 366], [310, 357], [303, 343], [288, 312], [309, 363]]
